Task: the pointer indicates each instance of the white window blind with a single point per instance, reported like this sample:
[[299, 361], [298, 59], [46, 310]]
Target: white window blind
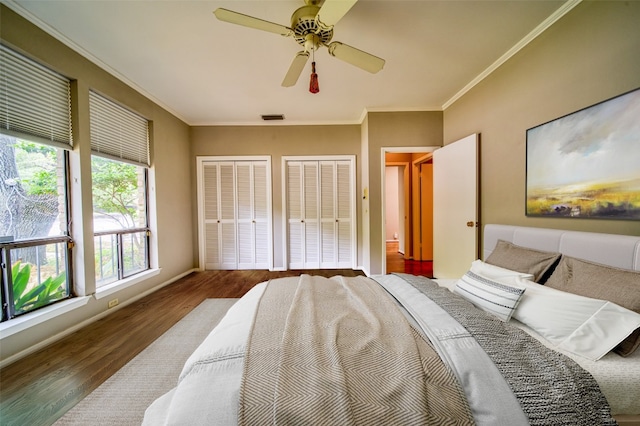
[[35, 102], [117, 132]]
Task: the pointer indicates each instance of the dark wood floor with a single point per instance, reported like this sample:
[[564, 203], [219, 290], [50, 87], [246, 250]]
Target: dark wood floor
[[40, 388], [397, 263]]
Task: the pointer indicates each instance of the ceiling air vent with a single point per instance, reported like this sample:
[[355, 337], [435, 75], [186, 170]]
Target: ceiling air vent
[[271, 117]]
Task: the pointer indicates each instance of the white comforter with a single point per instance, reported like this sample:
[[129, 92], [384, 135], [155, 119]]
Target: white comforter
[[209, 384]]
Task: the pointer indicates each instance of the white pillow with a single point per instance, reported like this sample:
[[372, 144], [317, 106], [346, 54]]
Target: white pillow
[[581, 325], [496, 272], [494, 294]]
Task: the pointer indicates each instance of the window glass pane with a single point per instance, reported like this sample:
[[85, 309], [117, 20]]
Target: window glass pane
[[38, 276], [106, 253], [118, 195], [134, 253], [32, 190]]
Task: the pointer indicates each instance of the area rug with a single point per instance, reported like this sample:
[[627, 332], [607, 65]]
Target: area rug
[[123, 398]]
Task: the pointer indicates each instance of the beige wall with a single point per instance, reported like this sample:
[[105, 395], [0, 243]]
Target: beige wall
[[388, 130], [171, 163], [591, 54], [275, 141]]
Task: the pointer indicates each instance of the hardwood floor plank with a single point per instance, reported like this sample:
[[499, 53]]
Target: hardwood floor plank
[[40, 388]]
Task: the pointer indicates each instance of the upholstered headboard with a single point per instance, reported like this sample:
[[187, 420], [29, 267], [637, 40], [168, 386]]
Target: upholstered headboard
[[621, 251]]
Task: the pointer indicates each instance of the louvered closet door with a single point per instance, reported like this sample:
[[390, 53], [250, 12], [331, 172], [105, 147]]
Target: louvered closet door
[[336, 222], [302, 215], [219, 211], [311, 216], [236, 199], [319, 212], [328, 220], [228, 252], [295, 224], [252, 212], [345, 221], [211, 222]]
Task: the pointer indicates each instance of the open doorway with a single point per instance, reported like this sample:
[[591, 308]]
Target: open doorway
[[408, 212]]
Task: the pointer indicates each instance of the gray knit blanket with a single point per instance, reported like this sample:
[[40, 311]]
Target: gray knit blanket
[[551, 388], [340, 352]]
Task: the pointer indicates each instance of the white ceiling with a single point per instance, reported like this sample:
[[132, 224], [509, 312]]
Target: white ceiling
[[209, 72]]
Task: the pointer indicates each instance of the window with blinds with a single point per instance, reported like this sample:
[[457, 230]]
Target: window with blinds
[[117, 132], [119, 176], [35, 102], [35, 137]]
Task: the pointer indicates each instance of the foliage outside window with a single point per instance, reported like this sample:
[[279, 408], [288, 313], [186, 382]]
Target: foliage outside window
[[34, 237], [119, 218]]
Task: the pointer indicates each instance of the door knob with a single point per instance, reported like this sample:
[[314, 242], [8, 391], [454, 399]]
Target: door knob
[[470, 224]]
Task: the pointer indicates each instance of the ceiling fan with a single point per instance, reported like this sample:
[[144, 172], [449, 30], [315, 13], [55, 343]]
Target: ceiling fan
[[311, 27]]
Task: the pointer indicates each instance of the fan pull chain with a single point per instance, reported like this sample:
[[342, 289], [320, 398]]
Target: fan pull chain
[[313, 84]]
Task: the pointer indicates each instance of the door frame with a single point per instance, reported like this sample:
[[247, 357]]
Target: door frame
[[418, 215], [404, 236], [383, 183]]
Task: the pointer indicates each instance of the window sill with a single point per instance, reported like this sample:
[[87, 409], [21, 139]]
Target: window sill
[[23, 322], [112, 288]]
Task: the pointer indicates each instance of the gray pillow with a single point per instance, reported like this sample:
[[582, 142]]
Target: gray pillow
[[620, 286], [523, 259]]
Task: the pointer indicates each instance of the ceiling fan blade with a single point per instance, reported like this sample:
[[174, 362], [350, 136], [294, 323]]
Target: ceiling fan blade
[[251, 22], [295, 69], [333, 10], [360, 59]]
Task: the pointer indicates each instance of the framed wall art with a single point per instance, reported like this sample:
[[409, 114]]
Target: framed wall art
[[587, 164]]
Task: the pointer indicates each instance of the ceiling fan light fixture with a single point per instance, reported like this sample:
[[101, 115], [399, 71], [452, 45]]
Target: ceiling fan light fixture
[[311, 27]]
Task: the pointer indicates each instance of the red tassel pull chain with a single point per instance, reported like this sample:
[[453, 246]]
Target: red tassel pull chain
[[313, 84]]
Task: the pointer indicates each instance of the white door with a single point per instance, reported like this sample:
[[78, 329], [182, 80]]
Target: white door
[[320, 216], [303, 215], [252, 215], [235, 214], [227, 217], [210, 216], [455, 207], [218, 212], [335, 210]]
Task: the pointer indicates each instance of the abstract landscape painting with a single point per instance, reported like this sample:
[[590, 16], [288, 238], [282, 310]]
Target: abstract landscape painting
[[587, 164]]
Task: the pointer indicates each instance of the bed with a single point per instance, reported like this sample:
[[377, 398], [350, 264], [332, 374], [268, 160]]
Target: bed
[[401, 349]]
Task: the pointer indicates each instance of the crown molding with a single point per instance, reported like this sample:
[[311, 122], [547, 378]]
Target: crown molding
[[552, 19]]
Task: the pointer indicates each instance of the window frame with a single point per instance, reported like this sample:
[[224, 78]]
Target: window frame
[[8, 302], [8, 308], [121, 273]]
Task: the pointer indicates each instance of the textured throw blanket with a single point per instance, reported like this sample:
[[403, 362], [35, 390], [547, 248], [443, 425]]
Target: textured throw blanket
[[551, 388], [339, 351]]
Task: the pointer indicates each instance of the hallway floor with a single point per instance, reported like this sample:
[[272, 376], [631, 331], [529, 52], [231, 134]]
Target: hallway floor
[[397, 263]]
